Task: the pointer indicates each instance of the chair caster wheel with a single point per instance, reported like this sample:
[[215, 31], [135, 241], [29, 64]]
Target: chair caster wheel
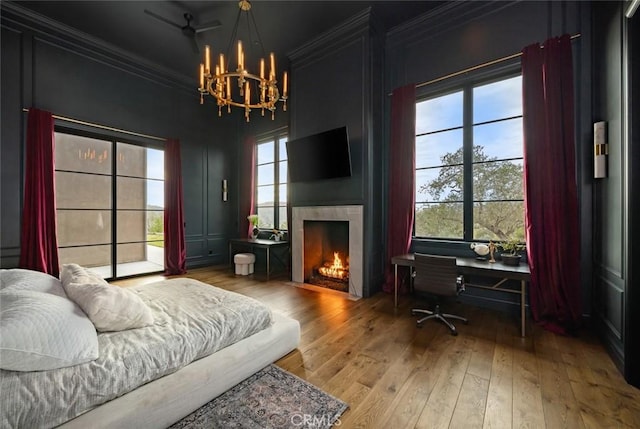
[[454, 333]]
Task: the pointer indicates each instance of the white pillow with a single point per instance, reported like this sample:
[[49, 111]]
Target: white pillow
[[20, 279], [110, 308], [41, 331]]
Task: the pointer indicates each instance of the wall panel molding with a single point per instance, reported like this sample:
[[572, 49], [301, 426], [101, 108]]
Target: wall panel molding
[[195, 249], [443, 19], [327, 42], [9, 257], [610, 272]]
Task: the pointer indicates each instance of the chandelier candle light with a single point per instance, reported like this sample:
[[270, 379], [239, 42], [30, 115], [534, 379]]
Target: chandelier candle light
[[219, 82]]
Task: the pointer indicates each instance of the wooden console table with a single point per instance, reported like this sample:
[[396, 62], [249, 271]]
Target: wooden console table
[[472, 266], [258, 243]]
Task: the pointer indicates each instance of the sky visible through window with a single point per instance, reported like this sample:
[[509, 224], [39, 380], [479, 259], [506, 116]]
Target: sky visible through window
[[155, 170], [495, 131], [496, 101], [492, 101], [271, 182]]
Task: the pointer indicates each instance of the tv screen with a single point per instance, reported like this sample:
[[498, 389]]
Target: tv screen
[[319, 156]]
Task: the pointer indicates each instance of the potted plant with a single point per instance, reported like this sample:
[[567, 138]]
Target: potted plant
[[511, 249], [253, 220]]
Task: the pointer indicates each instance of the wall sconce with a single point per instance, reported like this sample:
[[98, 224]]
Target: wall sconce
[[225, 193], [601, 150]]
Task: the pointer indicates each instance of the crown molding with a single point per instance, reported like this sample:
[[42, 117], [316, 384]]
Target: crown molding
[[442, 19], [343, 33], [20, 19]]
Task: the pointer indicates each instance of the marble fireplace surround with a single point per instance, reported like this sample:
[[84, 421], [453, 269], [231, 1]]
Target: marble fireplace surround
[[351, 214]]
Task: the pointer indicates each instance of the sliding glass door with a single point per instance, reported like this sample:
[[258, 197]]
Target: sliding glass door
[[110, 205]]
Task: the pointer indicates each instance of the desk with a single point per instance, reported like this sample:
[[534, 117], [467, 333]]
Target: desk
[[472, 266], [258, 243]]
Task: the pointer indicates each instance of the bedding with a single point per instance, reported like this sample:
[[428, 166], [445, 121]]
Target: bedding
[[110, 308], [41, 331], [191, 320], [20, 279], [164, 401], [40, 328]]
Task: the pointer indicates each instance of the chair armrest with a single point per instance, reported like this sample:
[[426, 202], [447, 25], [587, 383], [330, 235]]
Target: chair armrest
[[460, 284]]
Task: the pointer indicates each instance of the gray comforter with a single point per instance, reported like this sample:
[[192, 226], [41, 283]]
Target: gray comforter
[[192, 320]]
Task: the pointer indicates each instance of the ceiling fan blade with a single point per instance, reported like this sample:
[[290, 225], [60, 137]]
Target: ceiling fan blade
[[208, 26], [162, 18]]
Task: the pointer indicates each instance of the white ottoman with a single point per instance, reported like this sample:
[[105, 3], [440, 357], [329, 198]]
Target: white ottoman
[[244, 263]]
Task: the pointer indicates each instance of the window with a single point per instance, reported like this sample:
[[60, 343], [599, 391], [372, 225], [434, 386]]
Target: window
[[110, 205], [469, 163], [271, 182]]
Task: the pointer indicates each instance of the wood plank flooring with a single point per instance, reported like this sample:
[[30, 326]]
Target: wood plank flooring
[[394, 375]]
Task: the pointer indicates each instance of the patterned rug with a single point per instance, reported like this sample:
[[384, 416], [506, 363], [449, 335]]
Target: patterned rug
[[271, 398]]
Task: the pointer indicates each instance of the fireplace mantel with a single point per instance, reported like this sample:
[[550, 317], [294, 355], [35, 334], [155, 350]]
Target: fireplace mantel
[[351, 214]]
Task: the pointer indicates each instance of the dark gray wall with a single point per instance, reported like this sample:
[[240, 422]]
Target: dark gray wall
[[615, 101], [632, 295], [10, 149], [608, 214], [337, 81], [53, 68]]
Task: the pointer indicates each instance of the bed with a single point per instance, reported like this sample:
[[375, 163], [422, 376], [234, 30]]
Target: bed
[[189, 343]]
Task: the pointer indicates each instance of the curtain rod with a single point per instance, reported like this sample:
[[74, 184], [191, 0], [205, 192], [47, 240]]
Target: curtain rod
[[476, 67], [103, 127]]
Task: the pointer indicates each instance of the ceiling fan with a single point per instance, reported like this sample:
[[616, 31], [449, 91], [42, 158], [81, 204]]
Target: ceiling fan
[[187, 30]]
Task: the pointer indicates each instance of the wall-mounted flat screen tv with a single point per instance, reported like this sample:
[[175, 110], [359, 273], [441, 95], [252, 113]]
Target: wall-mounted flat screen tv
[[319, 156]]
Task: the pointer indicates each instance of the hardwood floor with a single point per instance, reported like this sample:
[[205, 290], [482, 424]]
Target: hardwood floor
[[394, 375]]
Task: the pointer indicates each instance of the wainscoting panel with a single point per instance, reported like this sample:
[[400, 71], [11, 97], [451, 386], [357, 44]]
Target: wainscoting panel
[[195, 249], [613, 306], [218, 249]]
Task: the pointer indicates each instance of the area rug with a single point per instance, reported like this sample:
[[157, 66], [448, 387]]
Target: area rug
[[271, 398]]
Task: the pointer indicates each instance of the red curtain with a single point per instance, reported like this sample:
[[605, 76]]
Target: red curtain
[[175, 251], [247, 183], [38, 238], [401, 192], [551, 202]]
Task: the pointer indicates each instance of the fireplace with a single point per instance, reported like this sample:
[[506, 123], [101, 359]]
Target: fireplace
[[319, 236], [326, 254]]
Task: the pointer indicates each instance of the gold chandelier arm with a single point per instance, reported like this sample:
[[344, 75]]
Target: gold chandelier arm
[[267, 106], [216, 85], [238, 74], [216, 81]]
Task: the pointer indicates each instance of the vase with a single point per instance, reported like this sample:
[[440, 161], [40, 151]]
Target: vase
[[254, 233], [481, 249], [509, 259]]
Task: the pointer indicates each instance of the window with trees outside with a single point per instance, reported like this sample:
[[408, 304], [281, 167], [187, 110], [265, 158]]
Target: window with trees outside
[[271, 182], [110, 204], [469, 163]]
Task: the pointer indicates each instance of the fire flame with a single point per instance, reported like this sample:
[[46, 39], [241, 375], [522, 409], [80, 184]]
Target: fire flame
[[336, 270]]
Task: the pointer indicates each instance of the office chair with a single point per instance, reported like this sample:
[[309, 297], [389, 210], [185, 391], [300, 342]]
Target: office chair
[[437, 275]]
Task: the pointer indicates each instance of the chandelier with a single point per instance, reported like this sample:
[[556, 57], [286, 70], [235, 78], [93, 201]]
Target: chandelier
[[241, 88]]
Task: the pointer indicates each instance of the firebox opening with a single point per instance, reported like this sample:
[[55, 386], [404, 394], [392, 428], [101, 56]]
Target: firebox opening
[[326, 254]]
